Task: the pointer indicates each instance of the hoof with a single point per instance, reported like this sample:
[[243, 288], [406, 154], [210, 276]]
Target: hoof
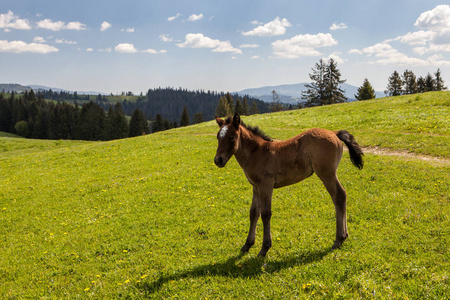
[[245, 248], [339, 241], [263, 251]]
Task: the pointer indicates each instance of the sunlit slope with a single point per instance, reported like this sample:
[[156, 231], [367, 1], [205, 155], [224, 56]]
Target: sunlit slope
[[153, 217]]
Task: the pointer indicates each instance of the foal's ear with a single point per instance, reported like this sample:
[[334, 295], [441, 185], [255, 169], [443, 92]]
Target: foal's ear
[[219, 121], [236, 120]]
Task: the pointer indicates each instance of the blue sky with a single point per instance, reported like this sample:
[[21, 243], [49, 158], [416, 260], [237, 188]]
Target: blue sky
[[134, 45]]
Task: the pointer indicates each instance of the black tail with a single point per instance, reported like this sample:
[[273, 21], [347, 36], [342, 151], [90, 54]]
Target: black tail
[[356, 153]]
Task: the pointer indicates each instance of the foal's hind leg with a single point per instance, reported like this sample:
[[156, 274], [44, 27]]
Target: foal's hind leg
[[339, 197]]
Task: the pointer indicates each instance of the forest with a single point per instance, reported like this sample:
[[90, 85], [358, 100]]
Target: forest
[[34, 116]]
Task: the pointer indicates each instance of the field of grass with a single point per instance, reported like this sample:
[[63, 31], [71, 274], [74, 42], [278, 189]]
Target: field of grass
[[153, 217]]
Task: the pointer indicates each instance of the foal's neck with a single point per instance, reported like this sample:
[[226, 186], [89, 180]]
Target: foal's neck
[[249, 143]]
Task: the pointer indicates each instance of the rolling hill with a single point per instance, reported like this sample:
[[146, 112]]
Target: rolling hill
[[153, 217]]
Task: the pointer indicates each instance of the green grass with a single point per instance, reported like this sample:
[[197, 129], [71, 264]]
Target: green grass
[[152, 217]]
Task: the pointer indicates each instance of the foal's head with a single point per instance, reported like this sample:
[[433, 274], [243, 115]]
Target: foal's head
[[228, 137]]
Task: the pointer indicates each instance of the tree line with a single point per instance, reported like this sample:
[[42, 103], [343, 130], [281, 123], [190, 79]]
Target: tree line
[[33, 117], [409, 84], [326, 79]]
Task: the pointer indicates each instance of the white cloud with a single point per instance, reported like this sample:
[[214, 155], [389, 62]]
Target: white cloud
[[165, 38], [60, 25], [10, 20], [170, 19], [125, 48], [75, 26], [273, 28], [105, 50], [64, 41], [39, 39], [385, 54], [302, 45], [420, 37], [195, 17], [335, 26], [256, 23], [436, 19], [22, 47], [127, 30], [153, 51], [198, 40], [254, 57], [105, 25], [354, 51], [249, 46], [335, 56]]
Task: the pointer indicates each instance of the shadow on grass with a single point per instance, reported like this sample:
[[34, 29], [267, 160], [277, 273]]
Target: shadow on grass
[[237, 267]]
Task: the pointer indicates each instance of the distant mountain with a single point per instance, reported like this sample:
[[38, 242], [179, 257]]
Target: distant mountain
[[18, 88], [13, 87], [42, 87], [291, 93]]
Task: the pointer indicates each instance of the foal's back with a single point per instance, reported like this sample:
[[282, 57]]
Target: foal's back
[[315, 150]]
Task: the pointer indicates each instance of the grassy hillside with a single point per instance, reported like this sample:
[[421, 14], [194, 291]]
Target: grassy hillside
[[152, 217]]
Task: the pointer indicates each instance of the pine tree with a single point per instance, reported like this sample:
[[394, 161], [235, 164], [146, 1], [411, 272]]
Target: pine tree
[[334, 94], [421, 85], [430, 83], [244, 107], [409, 83], [198, 118], [315, 93], [365, 92], [394, 87], [138, 124], [158, 125], [439, 81], [276, 102], [254, 110], [222, 109], [184, 117]]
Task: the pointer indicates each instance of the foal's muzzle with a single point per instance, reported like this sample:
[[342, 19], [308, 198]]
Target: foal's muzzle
[[219, 161]]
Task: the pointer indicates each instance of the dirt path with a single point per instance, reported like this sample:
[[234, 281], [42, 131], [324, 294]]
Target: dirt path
[[385, 151]]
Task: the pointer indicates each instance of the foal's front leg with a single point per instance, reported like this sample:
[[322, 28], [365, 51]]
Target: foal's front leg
[[255, 211]]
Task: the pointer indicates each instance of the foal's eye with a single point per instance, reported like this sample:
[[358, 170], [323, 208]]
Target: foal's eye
[[232, 138]]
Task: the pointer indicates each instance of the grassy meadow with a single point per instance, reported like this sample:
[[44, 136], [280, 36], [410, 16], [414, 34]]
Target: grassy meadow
[[153, 217]]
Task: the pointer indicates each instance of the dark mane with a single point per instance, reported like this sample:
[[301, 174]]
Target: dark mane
[[254, 129]]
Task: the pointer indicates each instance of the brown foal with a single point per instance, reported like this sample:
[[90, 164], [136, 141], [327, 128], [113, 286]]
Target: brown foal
[[273, 164]]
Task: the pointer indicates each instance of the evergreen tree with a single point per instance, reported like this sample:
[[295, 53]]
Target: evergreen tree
[[315, 93], [439, 81], [365, 92], [254, 110], [334, 94], [325, 86], [184, 117], [430, 83], [421, 85], [222, 109], [91, 122], [276, 102], [409, 82], [138, 124], [394, 87], [117, 124], [244, 107], [230, 103], [158, 125], [198, 118]]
